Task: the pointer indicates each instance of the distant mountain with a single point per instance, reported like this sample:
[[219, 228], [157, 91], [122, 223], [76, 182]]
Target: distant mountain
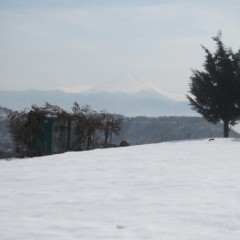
[[18, 100], [144, 130], [123, 84], [125, 95]]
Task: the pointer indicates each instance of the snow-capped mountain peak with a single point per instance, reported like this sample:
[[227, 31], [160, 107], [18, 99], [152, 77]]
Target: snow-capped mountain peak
[[124, 83]]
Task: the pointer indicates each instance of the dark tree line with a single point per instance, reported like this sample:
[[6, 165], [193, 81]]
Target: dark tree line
[[215, 91], [81, 129]]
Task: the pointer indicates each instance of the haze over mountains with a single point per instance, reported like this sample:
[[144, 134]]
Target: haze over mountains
[[124, 95]]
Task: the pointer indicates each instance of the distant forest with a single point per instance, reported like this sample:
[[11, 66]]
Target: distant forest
[[143, 130]]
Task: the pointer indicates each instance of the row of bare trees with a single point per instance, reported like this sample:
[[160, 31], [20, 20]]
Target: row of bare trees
[[81, 129]]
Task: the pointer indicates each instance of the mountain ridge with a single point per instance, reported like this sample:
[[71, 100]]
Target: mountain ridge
[[142, 103], [125, 95], [125, 83]]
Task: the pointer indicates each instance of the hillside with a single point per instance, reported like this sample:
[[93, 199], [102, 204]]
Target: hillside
[[145, 130], [5, 137], [179, 190], [4, 112], [142, 130]]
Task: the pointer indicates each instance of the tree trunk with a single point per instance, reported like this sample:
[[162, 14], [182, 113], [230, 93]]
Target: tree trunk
[[226, 128], [69, 127], [89, 139], [110, 140], [106, 137]]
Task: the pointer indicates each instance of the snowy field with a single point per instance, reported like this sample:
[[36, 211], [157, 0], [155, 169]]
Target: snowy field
[[185, 190]]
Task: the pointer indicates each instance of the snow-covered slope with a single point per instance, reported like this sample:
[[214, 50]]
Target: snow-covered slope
[[181, 190]]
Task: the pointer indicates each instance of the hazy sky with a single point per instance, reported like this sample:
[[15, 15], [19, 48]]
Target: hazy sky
[[71, 44]]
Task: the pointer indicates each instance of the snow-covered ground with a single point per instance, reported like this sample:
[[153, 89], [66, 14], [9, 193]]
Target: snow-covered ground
[[187, 190]]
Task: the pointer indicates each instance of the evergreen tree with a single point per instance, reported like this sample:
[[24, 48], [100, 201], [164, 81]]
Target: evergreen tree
[[215, 91]]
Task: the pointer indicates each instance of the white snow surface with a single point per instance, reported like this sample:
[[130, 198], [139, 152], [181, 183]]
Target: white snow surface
[[187, 190]]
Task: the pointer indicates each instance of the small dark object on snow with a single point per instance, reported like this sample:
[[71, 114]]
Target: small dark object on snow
[[211, 139], [124, 143], [120, 227]]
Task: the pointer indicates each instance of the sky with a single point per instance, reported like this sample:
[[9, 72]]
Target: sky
[[73, 44]]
